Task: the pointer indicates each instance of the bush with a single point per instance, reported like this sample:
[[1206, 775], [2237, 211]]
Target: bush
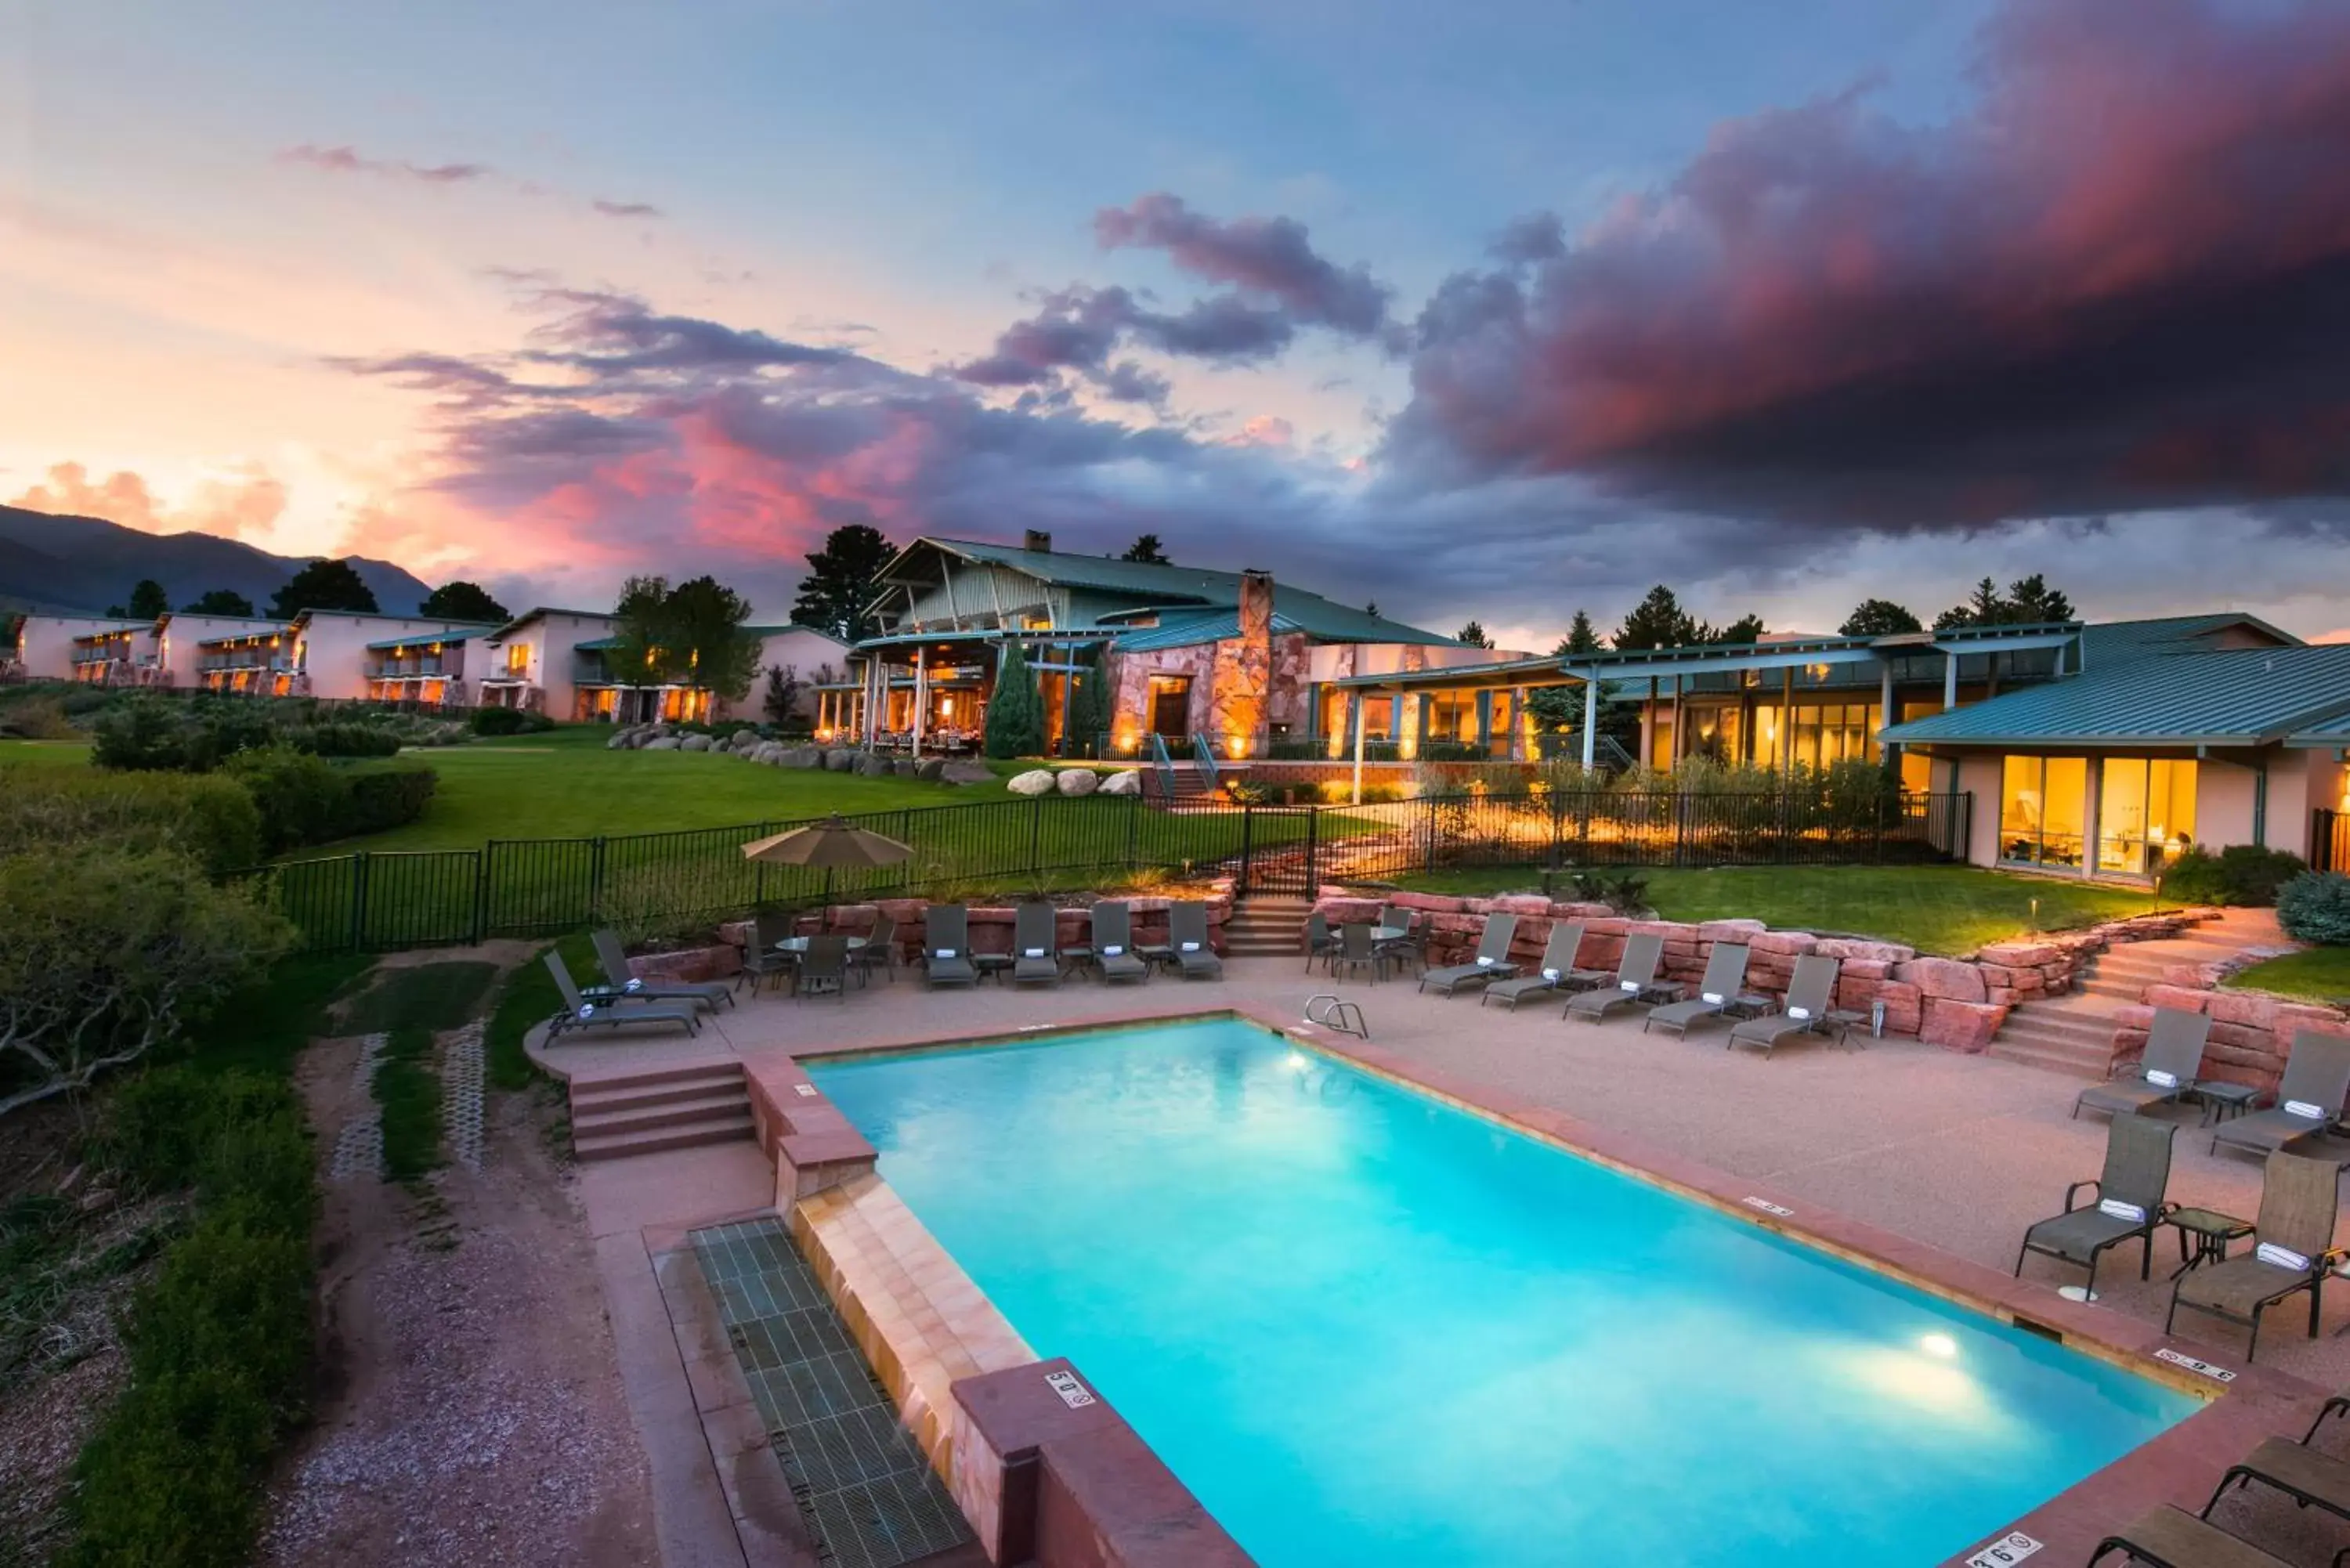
[[342, 740], [2243, 874], [149, 736], [385, 798], [304, 799], [2314, 907], [509, 722], [43, 719], [210, 819]]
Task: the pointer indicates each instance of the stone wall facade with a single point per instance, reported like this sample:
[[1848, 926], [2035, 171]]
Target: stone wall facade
[[1957, 1004]]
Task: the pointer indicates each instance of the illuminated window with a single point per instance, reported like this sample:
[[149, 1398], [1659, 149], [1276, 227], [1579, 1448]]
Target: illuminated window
[[2042, 805], [2146, 813]]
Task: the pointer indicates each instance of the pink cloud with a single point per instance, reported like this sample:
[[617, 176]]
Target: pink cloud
[[244, 507]]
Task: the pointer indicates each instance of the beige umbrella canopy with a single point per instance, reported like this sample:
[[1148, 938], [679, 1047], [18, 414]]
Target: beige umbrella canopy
[[830, 844]]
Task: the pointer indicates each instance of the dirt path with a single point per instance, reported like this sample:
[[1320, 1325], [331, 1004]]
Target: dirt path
[[470, 1410]]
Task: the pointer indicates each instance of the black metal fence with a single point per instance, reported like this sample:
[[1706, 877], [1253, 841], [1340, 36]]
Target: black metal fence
[[664, 881]]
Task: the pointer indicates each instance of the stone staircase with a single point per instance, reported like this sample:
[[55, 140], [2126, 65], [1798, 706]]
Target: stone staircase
[[641, 1110], [1266, 924], [2074, 1033]]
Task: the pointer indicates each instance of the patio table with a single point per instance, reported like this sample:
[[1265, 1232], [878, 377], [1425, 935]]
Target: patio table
[[2213, 1232], [2222, 1101]]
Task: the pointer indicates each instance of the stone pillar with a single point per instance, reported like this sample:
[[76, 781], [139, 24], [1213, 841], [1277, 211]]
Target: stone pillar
[[1242, 676]]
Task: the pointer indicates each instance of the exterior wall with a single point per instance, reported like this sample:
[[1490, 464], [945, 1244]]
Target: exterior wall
[[333, 652], [179, 634], [804, 650], [2224, 804], [1336, 660], [547, 642], [46, 642], [978, 588], [2225, 794], [1978, 776]]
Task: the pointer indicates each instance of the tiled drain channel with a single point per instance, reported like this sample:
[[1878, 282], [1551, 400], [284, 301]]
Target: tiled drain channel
[[864, 1490]]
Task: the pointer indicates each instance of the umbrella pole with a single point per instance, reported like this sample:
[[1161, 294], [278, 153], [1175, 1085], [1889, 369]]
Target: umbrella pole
[[824, 910]]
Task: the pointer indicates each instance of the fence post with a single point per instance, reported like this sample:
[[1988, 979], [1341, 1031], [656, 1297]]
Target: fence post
[[1133, 826], [596, 881], [1428, 833], [1036, 836], [1313, 871], [1248, 847], [359, 901], [481, 894]]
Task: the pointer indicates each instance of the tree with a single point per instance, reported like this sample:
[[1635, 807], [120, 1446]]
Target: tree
[[1561, 707], [2028, 600], [1093, 709], [1145, 549], [1747, 628], [781, 701], [690, 635], [1878, 618], [1372, 609], [838, 587], [323, 584], [1473, 634], [1015, 711], [1657, 621], [463, 601], [147, 600], [220, 601]]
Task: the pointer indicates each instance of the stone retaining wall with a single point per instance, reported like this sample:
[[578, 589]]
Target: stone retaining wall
[[2252, 1030], [1959, 1004]]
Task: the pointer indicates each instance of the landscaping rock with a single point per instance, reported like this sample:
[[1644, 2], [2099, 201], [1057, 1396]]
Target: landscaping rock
[[904, 767], [874, 766], [840, 760], [1035, 782], [694, 743], [1076, 781], [619, 742], [742, 738], [799, 756], [929, 769], [964, 772], [1949, 980], [660, 743], [1126, 781], [1965, 1027]]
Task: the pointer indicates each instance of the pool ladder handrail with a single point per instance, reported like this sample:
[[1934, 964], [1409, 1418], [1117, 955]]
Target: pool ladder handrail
[[1338, 1014]]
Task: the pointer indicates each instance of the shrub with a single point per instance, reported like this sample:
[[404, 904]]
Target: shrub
[[343, 739], [148, 735], [2243, 874], [43, 719], [302, 798], [210, 819], [509, 722], [2314, 907], [385, 798]]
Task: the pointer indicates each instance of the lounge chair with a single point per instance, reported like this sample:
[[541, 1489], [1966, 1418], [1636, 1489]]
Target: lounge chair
[[1557, 971], [614, 960], [581, 1013], [762, 961], [946, 947], [1319, 943], [2292, 1251], [879, 951], [824, 968], [1810, 992], [1725, 973], [1187, 933], [1358, 951], [2170, 1537], [1036, 950], [2316, 1080], [1113, 926], [1635, 978], [2302, 1473], [2131, 1202], [1491, 962], [2174, 1055]]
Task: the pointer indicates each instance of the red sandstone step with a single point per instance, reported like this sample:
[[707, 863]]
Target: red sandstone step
[[2030, 1056], [653, 1140], [590, 1098], [2090, 1032], [667, 1113], [666, 1071]]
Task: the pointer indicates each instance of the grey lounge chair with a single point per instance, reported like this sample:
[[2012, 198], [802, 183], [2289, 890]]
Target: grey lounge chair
[[1187, 934], [2301, 1473], [1810, 992], [2174, 1055], [1635, 978], [1725, 973], [1114, 944], [2316, 1080], [2292, 1251], [946, 946], [760, 960], [2131, 1202], [1036, 950], [614, 960], [1557, 973], [581, 1013], [1491, 962], [824, 969], [2171, 1537]]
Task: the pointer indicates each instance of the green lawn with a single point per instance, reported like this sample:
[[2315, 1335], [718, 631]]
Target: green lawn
[[2315, 974], [44, 753], [1935, 909]]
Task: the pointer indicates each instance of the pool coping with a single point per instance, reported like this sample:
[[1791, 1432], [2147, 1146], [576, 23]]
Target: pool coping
[[2178, 1466]]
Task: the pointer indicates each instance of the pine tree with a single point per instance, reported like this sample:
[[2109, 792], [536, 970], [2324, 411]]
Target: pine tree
[[1657, 621], [1015, 711], [323, 585], [1879, 617], [1747, 628], [220, 601], [147, 600], [1473, 634], [1561, 707], [463, 601], [1145, 549], [838, 587]]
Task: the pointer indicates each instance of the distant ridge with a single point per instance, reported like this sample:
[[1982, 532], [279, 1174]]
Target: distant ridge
[[55, 562]]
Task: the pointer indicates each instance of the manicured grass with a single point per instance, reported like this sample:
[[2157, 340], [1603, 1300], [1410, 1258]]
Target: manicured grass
[[528, 998], [2314, 974], [44, 753], [1949, 909]]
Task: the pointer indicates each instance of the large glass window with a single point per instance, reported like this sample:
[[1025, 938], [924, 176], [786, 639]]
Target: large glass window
[[1820, 734], [2043, 807], [2146, 813]]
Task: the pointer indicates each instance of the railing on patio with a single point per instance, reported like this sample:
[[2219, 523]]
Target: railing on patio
[[672, 881]]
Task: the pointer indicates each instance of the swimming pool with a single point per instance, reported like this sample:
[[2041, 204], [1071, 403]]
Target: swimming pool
[[1365, 1327]]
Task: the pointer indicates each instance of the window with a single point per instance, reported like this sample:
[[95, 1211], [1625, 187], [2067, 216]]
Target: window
[[2146, 813], [518, 660], [2042, 802], [1821, 734]]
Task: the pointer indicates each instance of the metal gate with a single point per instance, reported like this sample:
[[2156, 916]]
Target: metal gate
[[1280, 852]]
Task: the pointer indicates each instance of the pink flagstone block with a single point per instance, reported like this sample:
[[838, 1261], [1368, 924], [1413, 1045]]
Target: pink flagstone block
[[2246, 1007], [1792, 943], [1729, 930], [1949, 980], [1966, 1026], [1434, 903], [1854, 947], [2176, 996], [2017, 953]]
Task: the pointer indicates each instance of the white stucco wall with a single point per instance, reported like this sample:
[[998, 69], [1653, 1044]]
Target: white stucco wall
[[804, 650], [548, 642], [181, 633], [1336, 660], [46, 641], [333, 652]]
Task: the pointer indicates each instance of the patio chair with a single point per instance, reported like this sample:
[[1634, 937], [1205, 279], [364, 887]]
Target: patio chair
[[825, 969], [1113, 926], [581, 1013], [1491, 962], [946, 947], [1187, 930], [614, 960], [2174, 1054], [1035, 952], [1319, 943], [1809, 992], [1411, 946], [2173, 1538], [1356, 950], [1725, 973], [2299, 1471], [2292, 1251], [2316, 1080], [1635, 978], [879, 951], [2131, 1202], [1557, 973], [760, 960]]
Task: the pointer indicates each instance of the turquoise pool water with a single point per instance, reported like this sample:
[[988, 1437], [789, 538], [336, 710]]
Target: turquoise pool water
[[1366, 1328]]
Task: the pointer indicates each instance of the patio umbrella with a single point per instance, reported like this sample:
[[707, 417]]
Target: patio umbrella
[[831, 844]]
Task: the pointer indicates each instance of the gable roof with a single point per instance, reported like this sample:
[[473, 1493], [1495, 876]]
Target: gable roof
[[2238, 697], [539, 612]]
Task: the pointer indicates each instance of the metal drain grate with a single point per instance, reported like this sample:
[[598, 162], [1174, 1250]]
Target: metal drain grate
[[866, 1493]]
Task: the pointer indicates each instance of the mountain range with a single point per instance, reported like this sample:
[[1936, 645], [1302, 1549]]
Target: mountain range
[[58, 563]]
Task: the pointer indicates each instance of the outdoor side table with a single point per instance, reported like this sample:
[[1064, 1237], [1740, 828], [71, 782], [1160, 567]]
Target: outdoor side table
[[1746, 1005], [2213, 1232], [2222, 1101], [1844, 1019], [996, 964]]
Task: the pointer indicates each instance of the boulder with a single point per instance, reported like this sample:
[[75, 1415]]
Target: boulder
[[873, 765], [929, 769], [1950, 979], [840, 760], [905, 768], [694, 743], [966, 773], [2018, 954], [1076, 781], [800, 757], [742, 738], [2254, 1009], [1126, 781], [619, 742], [1035, 782], [660, 743], [1965, 1027]]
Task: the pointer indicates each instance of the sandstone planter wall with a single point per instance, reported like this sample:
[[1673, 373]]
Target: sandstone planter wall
[[1958, 1003], [2252, 1030]]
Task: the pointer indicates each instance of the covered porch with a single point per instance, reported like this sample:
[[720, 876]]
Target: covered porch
[[929, 693]]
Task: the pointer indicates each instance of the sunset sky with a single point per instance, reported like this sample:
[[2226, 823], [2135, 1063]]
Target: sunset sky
[[1491, 311]]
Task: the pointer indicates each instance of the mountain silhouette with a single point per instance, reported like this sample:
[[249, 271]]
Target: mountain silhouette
[[53, 561]]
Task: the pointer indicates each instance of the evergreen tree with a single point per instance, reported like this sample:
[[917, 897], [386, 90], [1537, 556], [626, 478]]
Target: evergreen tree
[[1657, 621], [323, 584], [1473, 634], [838, 587], [1561, 707], [463, 601], [1145, 549], [1015, 713], [1878, 618], [2030, 600], [1372, 609], [220, 601], [147, 600], [1093, 709], [1984, 608], [1747, 628]]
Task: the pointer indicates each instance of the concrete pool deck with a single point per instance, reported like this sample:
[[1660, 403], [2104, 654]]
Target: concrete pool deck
[[1901, 1150]]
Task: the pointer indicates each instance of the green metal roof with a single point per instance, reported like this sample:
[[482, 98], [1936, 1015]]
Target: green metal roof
[[535, 612], [2118, 641], [421, 639], [2242, 697]]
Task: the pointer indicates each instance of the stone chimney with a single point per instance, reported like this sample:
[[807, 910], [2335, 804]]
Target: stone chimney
[[1256, 606], [1038, 540]]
